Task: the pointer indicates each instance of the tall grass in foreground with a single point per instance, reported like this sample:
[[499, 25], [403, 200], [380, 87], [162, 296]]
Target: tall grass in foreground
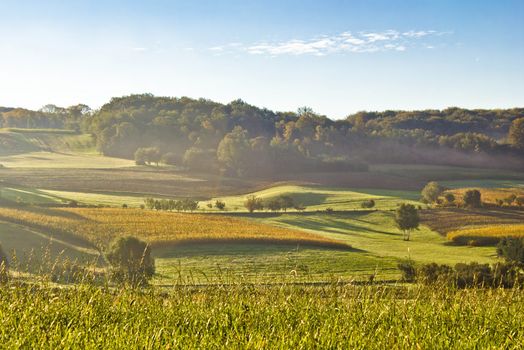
[[247, 316]]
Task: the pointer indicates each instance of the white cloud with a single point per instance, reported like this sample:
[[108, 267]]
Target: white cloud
[[345, 42]]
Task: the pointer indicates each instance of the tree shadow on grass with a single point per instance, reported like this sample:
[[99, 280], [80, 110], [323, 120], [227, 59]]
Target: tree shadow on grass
[[335, 226], [238, 249]]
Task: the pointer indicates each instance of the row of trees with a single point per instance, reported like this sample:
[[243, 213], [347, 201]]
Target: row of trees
[[186, 204], [282, 202], [49, 116]]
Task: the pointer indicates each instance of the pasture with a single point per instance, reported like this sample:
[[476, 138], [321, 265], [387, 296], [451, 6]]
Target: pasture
[[375, 233]]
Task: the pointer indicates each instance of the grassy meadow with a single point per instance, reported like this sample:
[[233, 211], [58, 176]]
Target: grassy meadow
[[312, 279], [257, 317]]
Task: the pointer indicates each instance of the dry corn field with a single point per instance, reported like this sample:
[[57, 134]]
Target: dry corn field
[[486, 235], [489, 195], [100, 226], [475, 226], [451, 219]]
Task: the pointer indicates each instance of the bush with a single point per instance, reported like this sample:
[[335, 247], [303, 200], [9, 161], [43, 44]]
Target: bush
[[473, 275], [432, 273], [368, 204], [508, 275], [408, 270], [220, 205], [131, 260], [511, 249], [449, 197]]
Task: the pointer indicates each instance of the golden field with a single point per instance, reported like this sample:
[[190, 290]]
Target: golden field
[[444, 220], [486, 235], [489, 195], [100, 225]]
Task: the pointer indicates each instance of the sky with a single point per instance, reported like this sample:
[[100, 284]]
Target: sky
[[337, 57]]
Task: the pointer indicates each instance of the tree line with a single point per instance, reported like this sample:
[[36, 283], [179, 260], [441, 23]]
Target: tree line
[[243, 140]]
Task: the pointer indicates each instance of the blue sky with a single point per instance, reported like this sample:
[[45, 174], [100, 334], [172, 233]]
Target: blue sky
[[337, 57]]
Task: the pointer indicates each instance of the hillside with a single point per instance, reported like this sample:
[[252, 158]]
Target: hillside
[[52, 148]]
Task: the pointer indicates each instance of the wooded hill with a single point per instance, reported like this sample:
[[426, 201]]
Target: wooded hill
[[241, 139]]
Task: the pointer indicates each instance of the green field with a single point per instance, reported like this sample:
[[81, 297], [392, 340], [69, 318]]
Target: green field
[[49, 148], [54, 167], [320, 198], [375, 233]]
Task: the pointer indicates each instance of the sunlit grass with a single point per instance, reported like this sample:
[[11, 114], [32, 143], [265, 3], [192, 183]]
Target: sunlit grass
[[254, 317]]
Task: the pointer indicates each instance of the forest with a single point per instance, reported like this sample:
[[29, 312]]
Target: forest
[[239, 139]]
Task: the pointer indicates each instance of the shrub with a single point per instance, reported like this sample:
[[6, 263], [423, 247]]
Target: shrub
[[449, 197], [220, 205], [408, 270], [368, 204], [131, 260], [473, 275], [432, 273], [507, 275], [511, 249]]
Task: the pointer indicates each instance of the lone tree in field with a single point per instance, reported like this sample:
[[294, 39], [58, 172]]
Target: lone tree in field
[[253, 203], [131, 260], [407, 219], [431, 192], [472, 199], [516, 133]]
